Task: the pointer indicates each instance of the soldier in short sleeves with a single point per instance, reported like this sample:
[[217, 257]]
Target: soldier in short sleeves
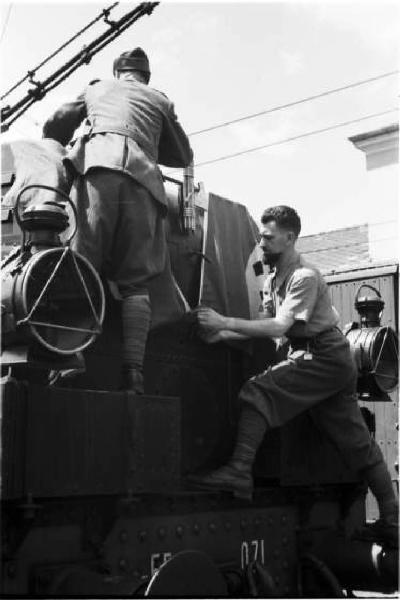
[[317, 375]]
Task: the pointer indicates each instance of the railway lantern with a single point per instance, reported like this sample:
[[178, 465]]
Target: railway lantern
[[52, 298], [375, 348]]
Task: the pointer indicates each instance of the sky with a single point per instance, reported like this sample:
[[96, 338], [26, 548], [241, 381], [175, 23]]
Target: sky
[[219, 61]]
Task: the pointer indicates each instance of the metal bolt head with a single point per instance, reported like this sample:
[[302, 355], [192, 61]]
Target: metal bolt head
[[123, 536], [11, 570], [142, 535], [123, 564]]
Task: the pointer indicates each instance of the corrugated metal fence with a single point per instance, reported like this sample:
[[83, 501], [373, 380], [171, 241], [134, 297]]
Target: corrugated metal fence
[[343, 288]]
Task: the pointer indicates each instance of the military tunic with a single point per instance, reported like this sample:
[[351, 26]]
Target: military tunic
[[119, 189], [37, 162], [318, 373]]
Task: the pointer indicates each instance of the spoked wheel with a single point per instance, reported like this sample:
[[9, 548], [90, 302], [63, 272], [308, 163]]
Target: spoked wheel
[[317, 580]]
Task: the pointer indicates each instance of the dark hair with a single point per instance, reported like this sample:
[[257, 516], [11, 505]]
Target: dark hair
[[138, 75], [141, 75], [285, 217]]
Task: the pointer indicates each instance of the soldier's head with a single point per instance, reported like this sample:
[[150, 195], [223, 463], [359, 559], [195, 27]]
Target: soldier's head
[[281, 226], [132, 64]]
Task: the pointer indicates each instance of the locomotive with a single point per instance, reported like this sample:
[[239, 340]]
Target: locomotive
[[94, 496]]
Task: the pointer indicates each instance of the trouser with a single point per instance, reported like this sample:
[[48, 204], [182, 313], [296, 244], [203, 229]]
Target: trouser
[[326, 387], [120, 229], [121, 232]]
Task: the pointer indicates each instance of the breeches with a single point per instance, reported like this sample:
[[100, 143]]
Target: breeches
[[326, 387], [120, 229]]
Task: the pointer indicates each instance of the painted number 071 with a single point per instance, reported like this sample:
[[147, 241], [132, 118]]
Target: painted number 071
[[251, 551]]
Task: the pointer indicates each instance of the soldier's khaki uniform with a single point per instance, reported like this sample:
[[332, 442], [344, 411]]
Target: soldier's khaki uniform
[[319, 373], [120, 195]]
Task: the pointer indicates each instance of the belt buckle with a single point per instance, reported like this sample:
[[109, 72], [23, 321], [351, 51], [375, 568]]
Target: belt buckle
[[308, 355]]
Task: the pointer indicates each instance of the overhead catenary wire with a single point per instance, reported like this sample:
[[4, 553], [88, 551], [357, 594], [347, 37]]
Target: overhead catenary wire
[[378, 223], [269, 110], [294, 103], [32, 120], [351, 244], [290, 139], [369, 225], [9, 114], [104, 14]]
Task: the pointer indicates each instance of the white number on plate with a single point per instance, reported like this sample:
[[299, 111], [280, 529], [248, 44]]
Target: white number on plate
[[250, 551], [158, 559]]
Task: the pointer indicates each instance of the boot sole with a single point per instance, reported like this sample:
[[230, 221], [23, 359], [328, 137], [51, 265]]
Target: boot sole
[[244, 494], [383, 541]]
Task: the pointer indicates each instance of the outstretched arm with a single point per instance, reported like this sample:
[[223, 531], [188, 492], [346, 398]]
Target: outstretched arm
[[174, 148], [62, 124], [210, 320], [212, 337]]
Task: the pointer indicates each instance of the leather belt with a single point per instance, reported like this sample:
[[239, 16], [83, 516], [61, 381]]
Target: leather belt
[[304, 343], [133, 135]]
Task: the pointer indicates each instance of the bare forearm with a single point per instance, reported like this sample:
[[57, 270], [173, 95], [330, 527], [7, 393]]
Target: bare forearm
[[62, 124], [258, 328], [211, 321], [233, 335]]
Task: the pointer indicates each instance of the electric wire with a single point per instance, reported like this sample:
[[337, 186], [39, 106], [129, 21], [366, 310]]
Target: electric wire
[[5, 23], [275, 108], [104, 14], [291, 139], [294, 103], [351, 244], [376, 223], [34, 121], [10, 114]]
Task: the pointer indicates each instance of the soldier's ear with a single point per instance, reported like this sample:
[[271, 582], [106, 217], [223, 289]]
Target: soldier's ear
[[291, 237]]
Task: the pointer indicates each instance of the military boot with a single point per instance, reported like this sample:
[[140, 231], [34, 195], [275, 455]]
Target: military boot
[[132, 380], [136, 315], [384, 532], [236, 476]]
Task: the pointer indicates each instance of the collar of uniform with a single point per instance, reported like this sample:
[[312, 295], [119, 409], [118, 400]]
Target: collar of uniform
[[286, 270]]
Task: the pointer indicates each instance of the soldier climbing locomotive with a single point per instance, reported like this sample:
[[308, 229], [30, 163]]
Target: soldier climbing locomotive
[[95, 497]]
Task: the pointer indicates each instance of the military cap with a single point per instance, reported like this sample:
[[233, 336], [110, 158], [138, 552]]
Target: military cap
[[133, 60]]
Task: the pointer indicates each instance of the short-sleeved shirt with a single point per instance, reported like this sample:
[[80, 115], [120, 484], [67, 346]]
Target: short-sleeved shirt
[[301, 292]]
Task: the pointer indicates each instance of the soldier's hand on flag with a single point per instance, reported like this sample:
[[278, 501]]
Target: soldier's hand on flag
[[209, 320]]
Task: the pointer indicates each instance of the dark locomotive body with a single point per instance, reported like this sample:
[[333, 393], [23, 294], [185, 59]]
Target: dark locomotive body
[[94, 497]]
